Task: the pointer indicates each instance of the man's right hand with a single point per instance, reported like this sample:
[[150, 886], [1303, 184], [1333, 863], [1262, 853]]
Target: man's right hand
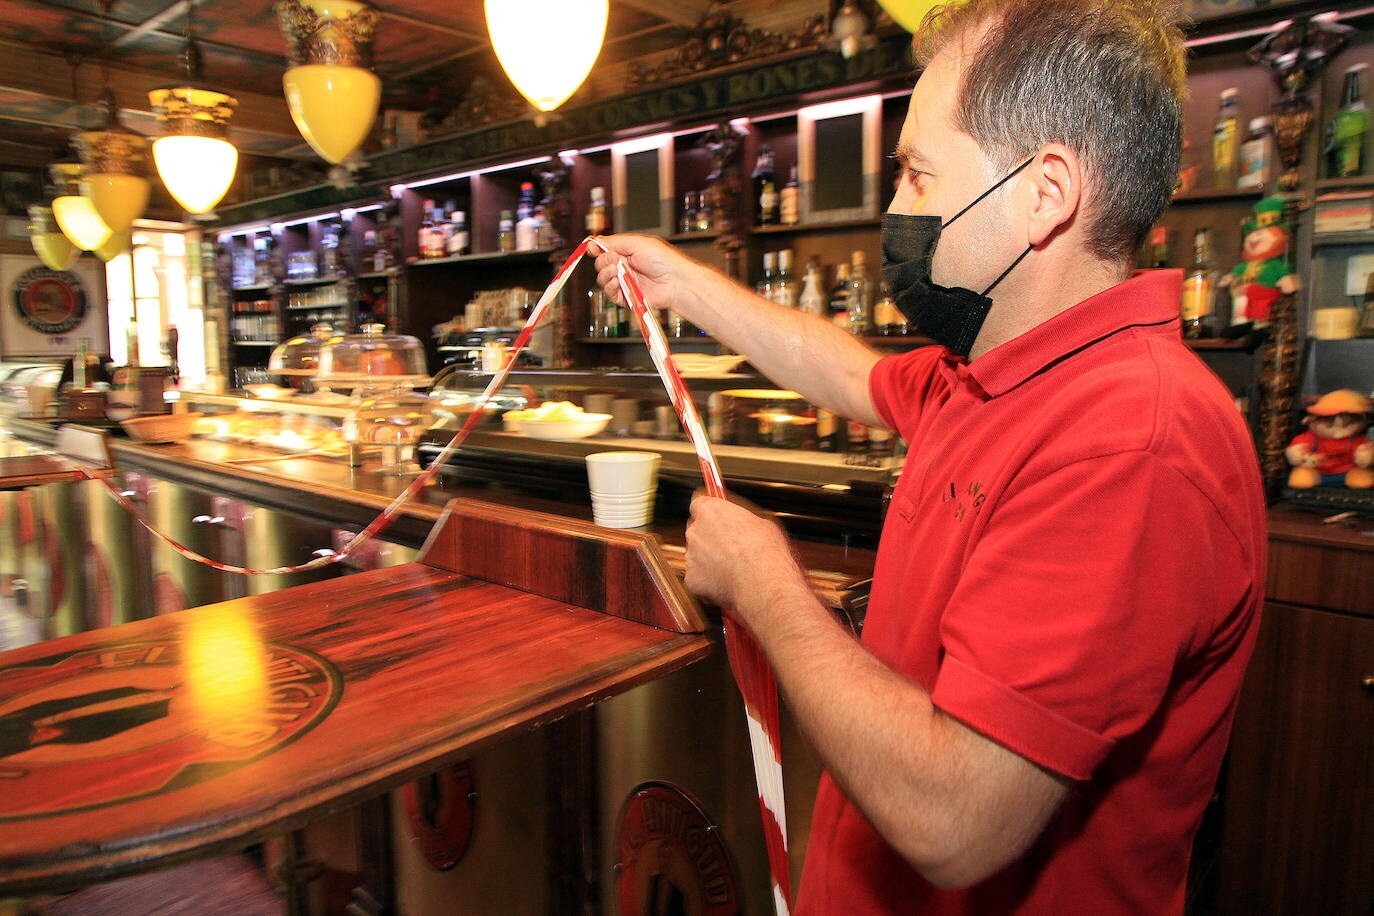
[[662, 270]]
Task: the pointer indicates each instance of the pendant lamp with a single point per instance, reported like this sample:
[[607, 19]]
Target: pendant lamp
[[194, 157], [330, 91], [547, 47], [54, 249], [115, 245], [75, 212], [114, 163]]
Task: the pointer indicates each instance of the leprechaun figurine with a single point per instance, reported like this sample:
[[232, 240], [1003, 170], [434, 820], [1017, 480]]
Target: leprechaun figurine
[[1257, 281]]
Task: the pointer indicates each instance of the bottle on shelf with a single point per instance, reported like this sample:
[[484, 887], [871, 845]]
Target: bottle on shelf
[[765, 285], [444, 220], [765, 189], [262, 261], [827, 430], [596, 213], [543, 229], [527, 231], [1199, 287], [789, 200], [1225, 140], [385, 256], [505, 232], [860, 296], [1347, 130], [705, 222], [525, 205], [784, 290], [880, 444], [855, 442], [890, 320], [839, 296], [458, 237], [812, 299], [688, 221], [1159, 247], [425, 238], [1256, 155]]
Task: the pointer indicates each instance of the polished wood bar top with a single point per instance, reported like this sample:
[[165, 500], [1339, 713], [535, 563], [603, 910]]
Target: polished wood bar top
[[131, 747], [22, 471]]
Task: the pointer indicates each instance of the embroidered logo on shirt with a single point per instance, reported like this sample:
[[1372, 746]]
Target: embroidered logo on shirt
[[971, 498]]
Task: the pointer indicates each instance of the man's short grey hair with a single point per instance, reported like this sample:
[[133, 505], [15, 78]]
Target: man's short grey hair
[[1106, 78]]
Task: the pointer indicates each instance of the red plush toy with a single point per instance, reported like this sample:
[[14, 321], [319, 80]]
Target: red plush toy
[[1334, 450]]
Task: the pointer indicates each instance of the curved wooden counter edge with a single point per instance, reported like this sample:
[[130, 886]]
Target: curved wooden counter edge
[[137, 746]]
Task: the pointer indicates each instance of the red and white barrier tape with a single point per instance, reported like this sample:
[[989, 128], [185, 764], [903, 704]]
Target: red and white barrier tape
[[754, 677]]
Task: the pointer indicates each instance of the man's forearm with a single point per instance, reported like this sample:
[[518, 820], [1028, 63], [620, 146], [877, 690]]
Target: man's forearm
[[799, 351], [954, 804]]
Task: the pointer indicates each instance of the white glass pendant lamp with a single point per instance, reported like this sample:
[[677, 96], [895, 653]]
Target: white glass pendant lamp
[[330, 90], [547, 47]]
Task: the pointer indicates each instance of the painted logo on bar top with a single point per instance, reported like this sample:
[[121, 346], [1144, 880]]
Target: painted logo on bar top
[[121, 721], [670, 858]]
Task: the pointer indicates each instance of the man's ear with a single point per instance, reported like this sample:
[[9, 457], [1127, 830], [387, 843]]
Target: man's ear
[[1056, 189]]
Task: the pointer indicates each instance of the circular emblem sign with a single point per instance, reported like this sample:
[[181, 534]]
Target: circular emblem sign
[[49, 301], [145, 713], [670, 858]]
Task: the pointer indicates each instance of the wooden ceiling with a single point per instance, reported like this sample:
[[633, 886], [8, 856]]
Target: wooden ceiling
[[56, 55]]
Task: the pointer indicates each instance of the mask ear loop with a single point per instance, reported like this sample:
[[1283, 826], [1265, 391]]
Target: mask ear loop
[[1018, 260], [979, 199]]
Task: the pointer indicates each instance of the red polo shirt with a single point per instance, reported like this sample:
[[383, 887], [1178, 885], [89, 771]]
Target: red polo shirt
[[1072, 565]]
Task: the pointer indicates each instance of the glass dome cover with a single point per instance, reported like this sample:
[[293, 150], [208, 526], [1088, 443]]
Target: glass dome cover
[[372, 356], [300, 356]]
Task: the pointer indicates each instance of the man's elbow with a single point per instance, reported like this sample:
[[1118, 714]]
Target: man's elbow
[[957, 863]]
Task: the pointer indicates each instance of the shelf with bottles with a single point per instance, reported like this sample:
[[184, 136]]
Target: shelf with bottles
[[533, 256]]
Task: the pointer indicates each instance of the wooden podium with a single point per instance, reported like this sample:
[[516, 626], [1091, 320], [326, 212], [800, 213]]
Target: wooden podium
[[133, 747]]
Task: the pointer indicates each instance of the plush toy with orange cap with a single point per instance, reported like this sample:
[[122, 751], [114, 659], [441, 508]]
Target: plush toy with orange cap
[[1334, 450]]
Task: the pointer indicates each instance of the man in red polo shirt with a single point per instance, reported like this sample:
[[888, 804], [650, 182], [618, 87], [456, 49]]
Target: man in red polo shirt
[[1069, 577]]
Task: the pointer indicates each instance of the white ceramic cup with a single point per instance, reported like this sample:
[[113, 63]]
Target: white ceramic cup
[[622, 473]]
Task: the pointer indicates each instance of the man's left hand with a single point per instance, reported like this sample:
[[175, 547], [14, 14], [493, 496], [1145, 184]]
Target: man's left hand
[[730, 547]]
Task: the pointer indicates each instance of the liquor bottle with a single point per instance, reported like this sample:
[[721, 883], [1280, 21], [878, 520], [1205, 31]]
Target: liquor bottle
[[705, 222], [784, 291], [860, 296], [505, 232], [596, 212], [688, 221], [839, 297], [879, 444], [1199, 287], [543, 229], [789, 201], [827, 431], [425, 239], [1256, 154], [458, 237], [1225, 139], [262, 261], [855, 442], [385, 256], [525, 205], [1348, 127], [812, 298], [765, 189], [527, 232], [890, 320], [765, 285]]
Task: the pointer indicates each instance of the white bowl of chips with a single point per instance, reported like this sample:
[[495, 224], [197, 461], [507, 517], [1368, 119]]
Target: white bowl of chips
[[555, 420]]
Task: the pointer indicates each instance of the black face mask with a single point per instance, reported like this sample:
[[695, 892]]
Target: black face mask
[[952, 316]]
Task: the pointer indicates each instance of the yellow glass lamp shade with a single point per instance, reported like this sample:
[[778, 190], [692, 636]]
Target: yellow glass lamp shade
[[547, 47], [194, 157], [333, 106], [54, 249], [75, 213], [118, 199], [115, 245], [909, 13], [331, 93]]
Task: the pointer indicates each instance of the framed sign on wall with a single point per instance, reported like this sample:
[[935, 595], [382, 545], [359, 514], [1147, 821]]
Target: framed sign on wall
[[46, 312], [642, 185], [838, 157]]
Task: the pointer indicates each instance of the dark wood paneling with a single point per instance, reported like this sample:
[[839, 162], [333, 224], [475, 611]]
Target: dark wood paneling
[[1298, 837], [1322, 566]]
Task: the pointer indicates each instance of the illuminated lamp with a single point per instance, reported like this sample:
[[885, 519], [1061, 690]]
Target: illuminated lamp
[[547, 47], [194, 157], [115, 170], [115, 245], [75, 213], [331, 93], [53, 248]]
